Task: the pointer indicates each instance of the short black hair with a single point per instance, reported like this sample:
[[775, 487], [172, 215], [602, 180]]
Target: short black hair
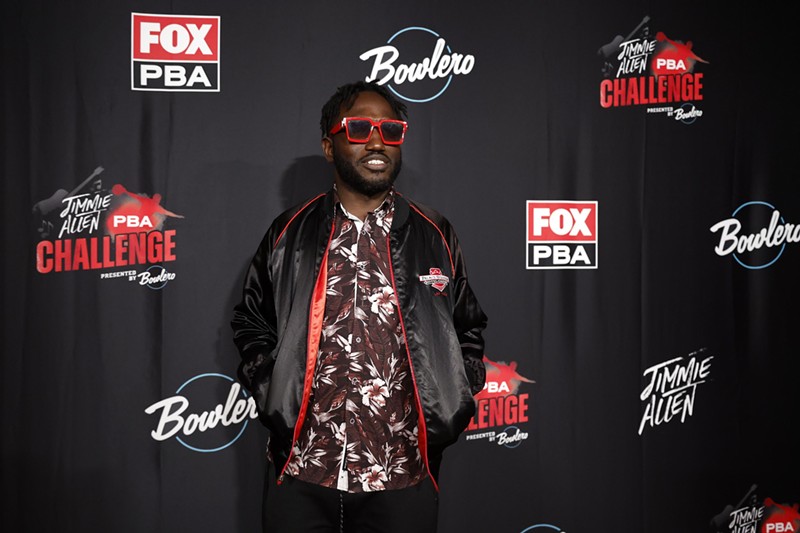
[[345, 96]]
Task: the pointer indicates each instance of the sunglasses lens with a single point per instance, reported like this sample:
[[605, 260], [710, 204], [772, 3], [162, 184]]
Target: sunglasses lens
[[359, 129], [392, 131]]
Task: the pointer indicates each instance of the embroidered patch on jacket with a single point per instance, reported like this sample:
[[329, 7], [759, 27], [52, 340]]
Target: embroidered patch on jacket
[[435, 279]]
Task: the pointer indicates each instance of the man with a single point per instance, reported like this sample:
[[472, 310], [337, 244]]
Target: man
[[361, 340]]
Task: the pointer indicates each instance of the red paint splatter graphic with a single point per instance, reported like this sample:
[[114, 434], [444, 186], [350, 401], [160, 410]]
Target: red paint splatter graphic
[[136, 213], [780, 518], [501, 379], [673, 57]]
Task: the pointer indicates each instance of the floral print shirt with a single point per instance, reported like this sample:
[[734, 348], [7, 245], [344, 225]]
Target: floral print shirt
[[360, 432]]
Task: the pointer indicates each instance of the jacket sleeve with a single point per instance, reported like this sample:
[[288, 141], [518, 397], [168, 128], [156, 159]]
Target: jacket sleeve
[[254, 323], [468, 318]]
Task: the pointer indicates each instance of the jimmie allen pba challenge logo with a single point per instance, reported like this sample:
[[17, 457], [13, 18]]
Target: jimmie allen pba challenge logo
[[175, 52], [754, 515], [653, 69], [116, 230], [501, 413], [561, 234]]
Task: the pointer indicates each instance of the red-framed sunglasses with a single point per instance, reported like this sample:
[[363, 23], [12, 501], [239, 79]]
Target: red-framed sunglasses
[[359, 129]]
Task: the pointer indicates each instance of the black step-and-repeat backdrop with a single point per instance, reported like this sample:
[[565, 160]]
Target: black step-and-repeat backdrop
[[622, 176]]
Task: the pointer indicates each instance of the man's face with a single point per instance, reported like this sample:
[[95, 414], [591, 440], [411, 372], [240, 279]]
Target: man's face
[[367, 168]]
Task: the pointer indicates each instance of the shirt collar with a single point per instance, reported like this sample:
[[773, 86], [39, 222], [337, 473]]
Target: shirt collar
[[381, 211]]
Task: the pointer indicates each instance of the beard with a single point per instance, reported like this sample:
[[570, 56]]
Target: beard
[[360, 184]]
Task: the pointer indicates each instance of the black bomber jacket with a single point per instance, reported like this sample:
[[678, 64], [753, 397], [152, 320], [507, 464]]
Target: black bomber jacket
[[277, 324]]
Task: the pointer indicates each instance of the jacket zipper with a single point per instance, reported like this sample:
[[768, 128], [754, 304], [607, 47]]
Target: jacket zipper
[[316, 314], [423, 431]]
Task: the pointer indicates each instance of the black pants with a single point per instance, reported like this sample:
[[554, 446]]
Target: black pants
[[295, 506]]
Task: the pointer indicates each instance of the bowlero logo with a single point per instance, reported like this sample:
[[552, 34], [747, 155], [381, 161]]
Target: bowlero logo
[[155, 277], [755, 235], [175, 52], [639, 69], [417, 64], [561, 234], [208, 413], [542, 528], [501, 408]]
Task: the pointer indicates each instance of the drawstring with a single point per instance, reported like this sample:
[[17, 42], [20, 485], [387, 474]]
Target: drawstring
[[341, 513]]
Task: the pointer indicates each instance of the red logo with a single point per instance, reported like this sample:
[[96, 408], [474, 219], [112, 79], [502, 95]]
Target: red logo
[[674, 57], [780, 518], [175, 38], [175, 52], [136, 213], [435, 279], [562, 234], [500, 404], [501, 379]]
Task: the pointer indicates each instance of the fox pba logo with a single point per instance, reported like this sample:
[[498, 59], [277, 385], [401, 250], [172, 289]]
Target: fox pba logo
[[175, 52], [561, 234]]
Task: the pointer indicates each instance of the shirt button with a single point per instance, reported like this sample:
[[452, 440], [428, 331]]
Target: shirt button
[[352, 420], [358, 339]]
